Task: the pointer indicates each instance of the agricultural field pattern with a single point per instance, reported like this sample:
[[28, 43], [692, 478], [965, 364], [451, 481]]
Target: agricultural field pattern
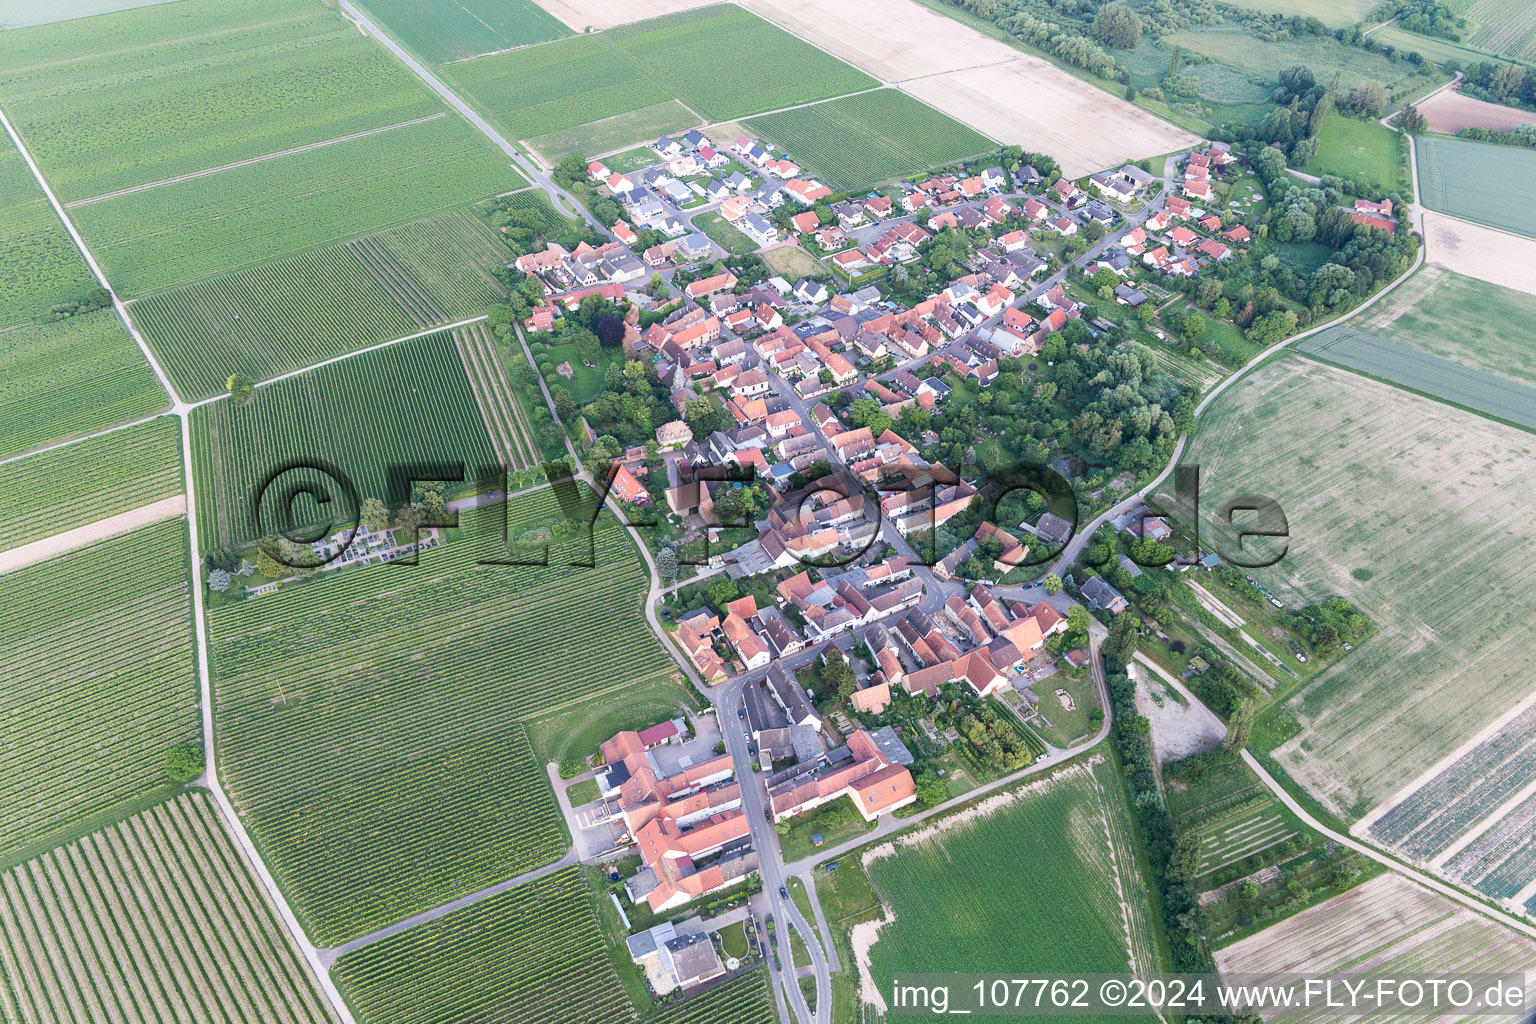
[[761, 511]]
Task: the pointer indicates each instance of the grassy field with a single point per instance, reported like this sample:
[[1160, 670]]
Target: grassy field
[[166, 236], [614, 132], [1386, 926], [356, 414], [792, 262], [869, 139], [443, 660], [1075, 879], [1431, 47], [1334, 15], [160, 91], [715, 39], [1479, 182], [1427, 374], [1389, 496], [566, 738], [56, 491], [70, 377], [304, 309], [724, 234], [532, 953], [1364, 151], [1506, 26], [98, 682], [1262, 60], [440, 33], [155, 918]]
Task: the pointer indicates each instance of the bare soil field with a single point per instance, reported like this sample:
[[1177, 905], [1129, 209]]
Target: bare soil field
[[1488, 255], [1001, 92], [600, 14], [1416, 512], [1450, 112], [1386, 925]]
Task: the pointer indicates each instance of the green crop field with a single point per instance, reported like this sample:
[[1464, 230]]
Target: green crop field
[[443, 660], [1389, 498], [1065, 846], [445, 32], [607, 90], [408, 403], [1427, 374], [98, 680], [1432, 47], [294, 312], [156, 918], [42, 266], [1479, 182], [559, 86], [869, 139], [715, 39], [160, 91], [1507, 27], [1477, 324], [71, 377], [532, 953], [1363, 151], [745, 999], [204, 226], [55, 491]]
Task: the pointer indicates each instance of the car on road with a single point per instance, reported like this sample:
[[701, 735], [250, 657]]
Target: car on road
[[751, 750], [783, 892], [741, 712]]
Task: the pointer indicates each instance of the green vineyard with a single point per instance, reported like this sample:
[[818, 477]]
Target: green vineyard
[[533, 953], [745, 999], [41, 266], [369, 720], [406, 404], [98, 680], [154, 919], [505, 421], [71, 377], [59, 490], [294, 312]]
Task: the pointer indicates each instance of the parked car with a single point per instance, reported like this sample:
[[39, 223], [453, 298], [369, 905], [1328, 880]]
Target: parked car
[[832, 866]]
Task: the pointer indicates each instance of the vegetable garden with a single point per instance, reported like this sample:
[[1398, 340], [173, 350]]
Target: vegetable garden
[[98, 681], [532, 953], [869, 139], [59, 490], [153, 919], [405, 404], [370, 718]]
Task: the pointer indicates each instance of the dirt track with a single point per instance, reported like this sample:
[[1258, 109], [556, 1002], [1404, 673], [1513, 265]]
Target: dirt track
[[101, 529]]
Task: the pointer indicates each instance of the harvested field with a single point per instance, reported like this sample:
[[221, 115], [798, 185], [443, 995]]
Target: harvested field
[[1425, 373], [1450, 112], [999, 91], [1483, 253], [581, 15], [1428, 312], [1374, 478], [1384, 926]]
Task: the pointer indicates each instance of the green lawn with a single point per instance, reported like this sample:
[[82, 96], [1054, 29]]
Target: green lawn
[[1364, 151], [723, 234], [733, 939], [838, 822], [583, 792], [567, 737]]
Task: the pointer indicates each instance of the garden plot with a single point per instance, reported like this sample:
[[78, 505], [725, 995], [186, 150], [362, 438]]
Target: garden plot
[[1484, 253], [153, 919], [1390, 498], [1502, 862], [1228, 841], [1385, 926]]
